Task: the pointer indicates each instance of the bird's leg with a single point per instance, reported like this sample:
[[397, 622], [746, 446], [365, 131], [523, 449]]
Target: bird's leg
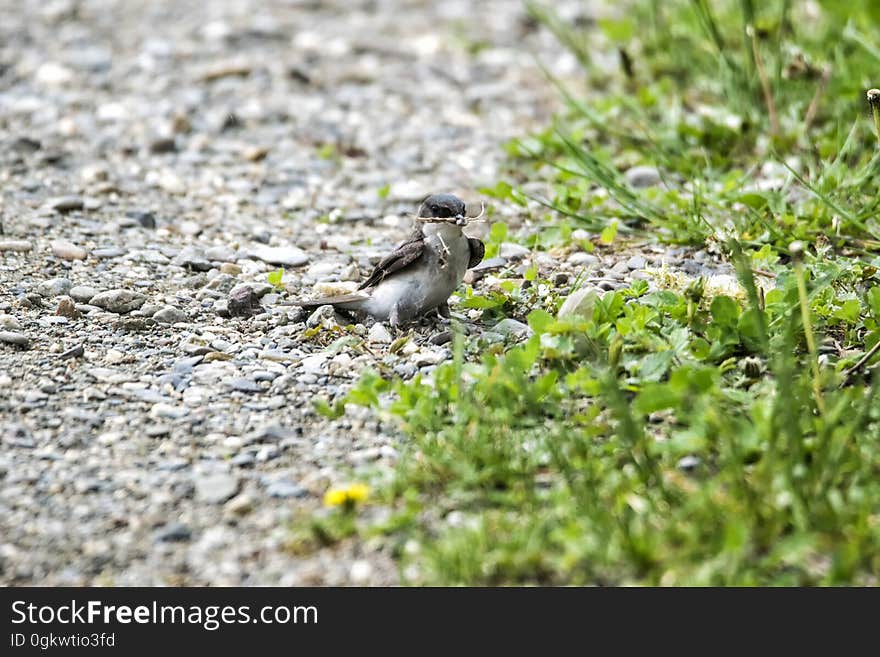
[[443, 310], [394, 316]]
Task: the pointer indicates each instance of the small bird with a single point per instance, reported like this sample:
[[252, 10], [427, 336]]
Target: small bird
[[420, 274]]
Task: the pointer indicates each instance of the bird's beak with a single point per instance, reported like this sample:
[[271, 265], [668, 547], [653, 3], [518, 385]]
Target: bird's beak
[[460, 220]]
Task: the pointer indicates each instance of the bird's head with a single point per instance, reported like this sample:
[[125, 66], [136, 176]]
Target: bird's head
[[443, 208]]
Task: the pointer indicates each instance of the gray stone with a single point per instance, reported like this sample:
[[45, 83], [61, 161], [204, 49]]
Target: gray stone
[[65, 203], [118, 301], [170, 315], [108, 252], [215, 488], [509, 327], [15, 246], [636, 262], [582, 259], [192, 258], [323, 315], [83, 293], [581, 302], [285, 489], [642, 176], [378, 334], [17, 339], [173, 533], [67, 250], [287, 256], [54, 287], [242, 384], [511, 251]]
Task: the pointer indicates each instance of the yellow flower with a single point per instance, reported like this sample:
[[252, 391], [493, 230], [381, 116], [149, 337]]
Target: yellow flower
[[348, 496]]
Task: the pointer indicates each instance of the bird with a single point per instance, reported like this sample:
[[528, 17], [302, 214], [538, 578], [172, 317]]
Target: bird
[[421, 273]]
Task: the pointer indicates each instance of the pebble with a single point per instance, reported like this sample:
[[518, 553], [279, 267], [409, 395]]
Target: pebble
[[215, 488], [83, 293], [65, 203], [243, 301], [581, 302], [173, 532], [170, 315], [378, 334], [582, 259], [285, 489], [9, 322], [77, 351], [642, 176], [193, 258], [636, 262], [511, 251], [67, 308], [510, 327], [118, 301], [17, 339], [243, 385], [287, 256], [54, 287], [67, 250], [15, 246], [108, 252]]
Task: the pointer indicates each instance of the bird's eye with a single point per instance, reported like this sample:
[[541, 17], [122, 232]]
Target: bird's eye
[[442, 212]]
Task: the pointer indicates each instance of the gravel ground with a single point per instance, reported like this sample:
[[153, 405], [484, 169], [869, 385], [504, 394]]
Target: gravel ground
[[157, 160]]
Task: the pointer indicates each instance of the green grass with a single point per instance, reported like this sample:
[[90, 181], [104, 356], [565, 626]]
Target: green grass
[[674, 434]]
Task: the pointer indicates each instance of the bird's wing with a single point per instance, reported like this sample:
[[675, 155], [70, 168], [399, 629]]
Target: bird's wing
[[477, 251], [404, 255]]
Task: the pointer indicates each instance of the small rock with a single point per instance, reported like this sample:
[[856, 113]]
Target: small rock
[[15, 246], [144, 217], [67, 308], [242, 384], [54, 287], [77, 351], [287, 256], [83, 293], [582, 259], [173, 532], [441, 338], [285, 489], [581, 302], [323, 316], [230, 268], [512, 327], [107, 252], [118, 301], [68, 250], [193, 258], [243, 301], [9, 322], [163, 145], [11, 337], [688, 462], [379, 334], [215, 488], [642, 176], [511, 251], [170, 315], [240, 505], [65, 203], [636, 262]]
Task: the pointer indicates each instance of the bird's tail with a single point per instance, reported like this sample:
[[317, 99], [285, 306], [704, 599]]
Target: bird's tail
[[344, 301]]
